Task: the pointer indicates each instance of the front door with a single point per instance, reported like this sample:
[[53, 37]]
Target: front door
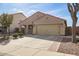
[[30, 29]]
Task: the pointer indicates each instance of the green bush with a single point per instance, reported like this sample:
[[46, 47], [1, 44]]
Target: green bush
[[5, 37], [16, 30], [15, 35], [23, 30], [20, 35]]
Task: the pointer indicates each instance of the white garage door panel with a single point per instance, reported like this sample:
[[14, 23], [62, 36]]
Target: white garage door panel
[[48, 29]]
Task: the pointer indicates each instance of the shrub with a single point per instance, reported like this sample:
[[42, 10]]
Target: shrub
[[23, 30], [16, 30], [20, 35], [15, 35], [5, 38]]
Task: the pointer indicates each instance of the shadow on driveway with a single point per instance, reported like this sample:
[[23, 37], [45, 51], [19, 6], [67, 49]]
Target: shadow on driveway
[[52, 38], [4, 42]]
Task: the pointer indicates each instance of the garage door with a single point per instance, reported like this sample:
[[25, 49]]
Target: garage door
[[48, 29]]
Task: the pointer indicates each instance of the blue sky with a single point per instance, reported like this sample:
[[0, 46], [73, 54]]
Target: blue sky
[[55, 9]]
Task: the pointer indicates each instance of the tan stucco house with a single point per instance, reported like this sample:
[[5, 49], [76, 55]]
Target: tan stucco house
[[17, 18], [44, 24]]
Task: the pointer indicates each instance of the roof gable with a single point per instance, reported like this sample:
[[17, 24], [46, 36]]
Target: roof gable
[[19, 14], [48, 20], [32, 18], [40, 18]]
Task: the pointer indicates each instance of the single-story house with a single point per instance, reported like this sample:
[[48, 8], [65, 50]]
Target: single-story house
[[69, 30], [44, 24]]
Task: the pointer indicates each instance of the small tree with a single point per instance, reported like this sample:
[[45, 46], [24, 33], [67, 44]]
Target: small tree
[[3, 22], [6, 21], [73, 9]]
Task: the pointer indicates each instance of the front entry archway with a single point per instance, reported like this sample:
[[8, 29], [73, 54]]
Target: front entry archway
[[30, 29]]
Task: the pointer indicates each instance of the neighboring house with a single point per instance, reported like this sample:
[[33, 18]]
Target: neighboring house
[[44, 24], [17, 17]]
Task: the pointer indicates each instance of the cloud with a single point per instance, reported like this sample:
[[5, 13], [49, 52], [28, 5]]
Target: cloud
[[51, 12], [14, 9], [30, 12], [56, 12], [17, 10], [26, 12], [20, 11]]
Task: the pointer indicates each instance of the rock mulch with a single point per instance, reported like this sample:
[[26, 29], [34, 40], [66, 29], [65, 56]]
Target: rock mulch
[[68, 47]]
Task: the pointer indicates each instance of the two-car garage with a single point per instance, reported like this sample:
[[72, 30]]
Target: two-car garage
[[47, 30], [51, 29]]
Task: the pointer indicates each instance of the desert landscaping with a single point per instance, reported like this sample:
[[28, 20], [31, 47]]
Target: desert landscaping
[[40, 34]]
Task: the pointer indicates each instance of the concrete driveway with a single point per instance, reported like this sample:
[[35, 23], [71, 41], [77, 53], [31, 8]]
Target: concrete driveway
[[33, 45]]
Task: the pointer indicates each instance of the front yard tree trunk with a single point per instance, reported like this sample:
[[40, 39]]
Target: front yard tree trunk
[[73, 9], [9, 31], [74, 40]]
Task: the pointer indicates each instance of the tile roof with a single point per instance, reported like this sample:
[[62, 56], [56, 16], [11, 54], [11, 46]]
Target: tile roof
[[39, 15]]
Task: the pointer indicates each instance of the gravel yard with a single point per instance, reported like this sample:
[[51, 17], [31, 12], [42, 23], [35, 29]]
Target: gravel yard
[[68, 47]]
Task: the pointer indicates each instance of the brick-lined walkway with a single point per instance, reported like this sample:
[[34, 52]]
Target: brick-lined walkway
[[32, 45]]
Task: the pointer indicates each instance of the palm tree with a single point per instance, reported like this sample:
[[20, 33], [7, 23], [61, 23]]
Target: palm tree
[[6, 21], [73, 9]]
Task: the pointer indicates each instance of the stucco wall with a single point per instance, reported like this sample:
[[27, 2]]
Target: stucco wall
[[62, 29], [17, 18]]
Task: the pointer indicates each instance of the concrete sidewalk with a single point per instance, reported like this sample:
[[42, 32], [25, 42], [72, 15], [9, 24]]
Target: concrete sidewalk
[[33, 52], [33, 46]]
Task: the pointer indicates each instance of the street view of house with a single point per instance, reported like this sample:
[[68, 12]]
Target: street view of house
[[39, 29]]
